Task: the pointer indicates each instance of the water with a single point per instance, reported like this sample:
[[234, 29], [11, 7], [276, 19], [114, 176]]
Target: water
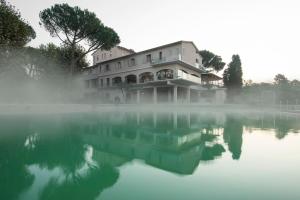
[[150, 155]]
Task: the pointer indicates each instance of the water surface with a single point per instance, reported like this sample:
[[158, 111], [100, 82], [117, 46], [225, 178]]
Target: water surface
[[150, 155]]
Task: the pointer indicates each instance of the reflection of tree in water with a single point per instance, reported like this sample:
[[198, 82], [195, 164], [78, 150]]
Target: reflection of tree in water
[[49, 145], [213, 151], [283, 127], [14, 177], [65, 149], [233, 131], [87, 187], [282, 124]]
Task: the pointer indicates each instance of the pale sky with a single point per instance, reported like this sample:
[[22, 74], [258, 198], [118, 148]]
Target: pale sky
[[265, 33]]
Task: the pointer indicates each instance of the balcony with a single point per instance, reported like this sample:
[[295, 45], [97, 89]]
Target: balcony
[[188, 77], [164, 60]]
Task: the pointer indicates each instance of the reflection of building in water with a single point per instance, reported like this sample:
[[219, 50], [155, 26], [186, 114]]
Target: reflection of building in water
[[175, 142], [171, 141]]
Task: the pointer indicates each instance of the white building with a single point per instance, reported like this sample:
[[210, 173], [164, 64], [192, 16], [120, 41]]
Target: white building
[[168, 73]]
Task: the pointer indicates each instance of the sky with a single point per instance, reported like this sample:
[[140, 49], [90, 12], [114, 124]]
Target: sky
[[265, 33]]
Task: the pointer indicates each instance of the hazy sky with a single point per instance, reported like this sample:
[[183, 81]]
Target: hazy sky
[[265, 33]]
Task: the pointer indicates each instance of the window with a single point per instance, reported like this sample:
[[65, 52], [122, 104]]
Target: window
[[146, 77], [164, 74], [132, 62], [107, 68], [97, 57], [87, 84], [160, 55], [94, 83], [119, 65], [148, 58], [117, 80], [197, 61], [130, 79], [101, 82], [107, 81]]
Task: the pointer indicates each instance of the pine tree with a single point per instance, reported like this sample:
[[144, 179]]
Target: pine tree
[[233, 76]]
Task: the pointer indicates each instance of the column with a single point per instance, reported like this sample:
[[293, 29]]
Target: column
[[189, 119], [175, 117], [199, 97], [169, 95], [175, 94], [154, 95], [138, 96], [138, 118], [155, 119], [188, 95]]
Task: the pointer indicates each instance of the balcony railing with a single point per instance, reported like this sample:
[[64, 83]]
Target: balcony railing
[[165, 59], [182, 75], [160, 60]]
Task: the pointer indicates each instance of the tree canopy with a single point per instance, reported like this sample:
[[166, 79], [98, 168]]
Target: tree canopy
[[14, 31], [233, 75], [78, 28], [210, 60], [49, 60], [280, 79]]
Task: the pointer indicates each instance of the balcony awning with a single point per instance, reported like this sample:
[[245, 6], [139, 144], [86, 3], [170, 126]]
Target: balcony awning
[[210, 77], [179, 62]]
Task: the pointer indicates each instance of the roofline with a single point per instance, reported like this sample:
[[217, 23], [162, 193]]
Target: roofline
[[192, 44], [147, 50], [123, 48], [180, 63], [129, 50]]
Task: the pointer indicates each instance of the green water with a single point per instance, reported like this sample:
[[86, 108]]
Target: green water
[[158, 155]]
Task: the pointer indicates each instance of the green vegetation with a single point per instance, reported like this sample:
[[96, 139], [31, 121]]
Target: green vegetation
[[14, 31], [281, 91], [74, 26], [24, 68], [211, 61], [233, 77]]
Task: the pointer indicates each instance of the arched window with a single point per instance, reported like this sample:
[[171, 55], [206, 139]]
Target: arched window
[[117, 80], [146, 77], [165, 74], [130, 79]]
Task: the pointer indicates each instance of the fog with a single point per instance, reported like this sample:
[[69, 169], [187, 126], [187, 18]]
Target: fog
[[35, 79], [30, 86]]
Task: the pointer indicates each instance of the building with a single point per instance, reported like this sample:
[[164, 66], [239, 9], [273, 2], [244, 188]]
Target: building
[[164, 74]]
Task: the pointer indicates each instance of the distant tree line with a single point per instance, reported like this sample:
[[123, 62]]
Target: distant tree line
[[281, 91]]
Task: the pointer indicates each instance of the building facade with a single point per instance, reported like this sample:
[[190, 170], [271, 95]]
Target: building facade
[[164, 74]]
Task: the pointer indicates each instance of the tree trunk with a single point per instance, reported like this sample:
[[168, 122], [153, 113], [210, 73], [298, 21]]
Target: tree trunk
[[73, 63]]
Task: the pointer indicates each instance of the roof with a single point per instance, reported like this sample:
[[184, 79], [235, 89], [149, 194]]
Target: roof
[[125, 49], [120, 47], [148, 50]]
